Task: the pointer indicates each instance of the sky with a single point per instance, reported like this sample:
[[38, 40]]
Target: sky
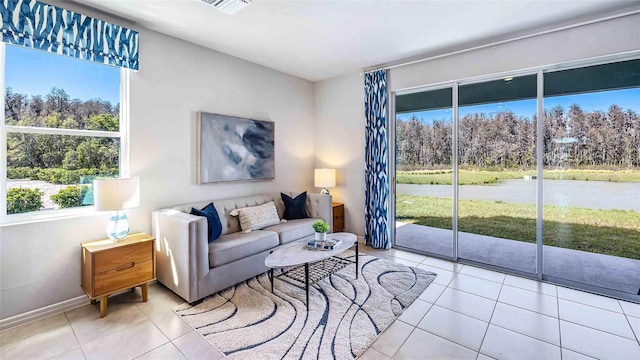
[[627, 99], [35, 72]]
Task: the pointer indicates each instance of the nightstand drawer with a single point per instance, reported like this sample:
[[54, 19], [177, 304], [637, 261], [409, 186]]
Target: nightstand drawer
[[121, 256], [123, 276]]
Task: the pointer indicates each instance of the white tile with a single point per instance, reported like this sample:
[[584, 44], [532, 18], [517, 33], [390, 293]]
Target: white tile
[[167, 351], [400, 254], [500, 343], [607, 321], [423, 345], [171, 325], [596, 343], [29, 329], [405, 262], [586, 298], [415, 312], [88, 326], [477, 286], [371, 354], [533, 324], [432, 292], [195, 347], [483, 273], [127, 343], [529, 300], [41, 346], [635, 325], [442, 264], [484, 357], [444, 277], [630, 309], [572, 355], [531, 285], [467, 304], [390, 340], [453, 326], [73, 354]]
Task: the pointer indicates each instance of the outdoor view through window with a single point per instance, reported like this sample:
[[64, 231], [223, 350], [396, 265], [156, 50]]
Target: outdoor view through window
[[62, 124], [591, 174]]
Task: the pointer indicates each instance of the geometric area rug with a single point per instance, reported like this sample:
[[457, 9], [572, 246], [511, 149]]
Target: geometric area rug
[[247, 321]]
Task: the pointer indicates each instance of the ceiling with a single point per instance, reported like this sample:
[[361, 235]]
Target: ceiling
[[317, 40]]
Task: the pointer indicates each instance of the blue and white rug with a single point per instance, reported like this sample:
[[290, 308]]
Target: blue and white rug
[[345, 315]]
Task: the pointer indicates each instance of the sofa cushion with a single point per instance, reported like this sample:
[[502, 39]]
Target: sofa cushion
[[293, 229], [294, 208], [213, 221], [257, 217], [234, 246]]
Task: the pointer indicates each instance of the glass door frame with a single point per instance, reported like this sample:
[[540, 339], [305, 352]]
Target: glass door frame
[[454, 84], [392, 163]]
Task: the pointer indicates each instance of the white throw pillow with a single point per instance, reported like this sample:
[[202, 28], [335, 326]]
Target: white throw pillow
[[257, 217]]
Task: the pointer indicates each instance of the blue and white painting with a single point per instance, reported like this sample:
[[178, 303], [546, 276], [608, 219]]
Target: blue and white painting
[[233, 149]]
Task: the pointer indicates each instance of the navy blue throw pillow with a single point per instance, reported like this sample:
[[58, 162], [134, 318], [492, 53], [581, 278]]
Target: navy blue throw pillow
[[294, 208], [213, 220]]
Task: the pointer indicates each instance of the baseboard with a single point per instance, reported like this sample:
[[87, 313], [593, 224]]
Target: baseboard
[[360, 239], [43, 312]]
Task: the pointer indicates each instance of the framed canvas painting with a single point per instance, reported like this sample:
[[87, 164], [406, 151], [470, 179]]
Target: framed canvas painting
[[234, 149]]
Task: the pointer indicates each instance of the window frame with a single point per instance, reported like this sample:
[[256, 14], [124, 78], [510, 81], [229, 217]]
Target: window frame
[[122, 134]]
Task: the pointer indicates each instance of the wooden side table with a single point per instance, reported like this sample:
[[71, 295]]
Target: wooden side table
[[109, 267], [338, 217]]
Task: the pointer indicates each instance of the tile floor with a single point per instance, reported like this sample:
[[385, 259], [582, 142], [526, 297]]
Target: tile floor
[[467, 313]]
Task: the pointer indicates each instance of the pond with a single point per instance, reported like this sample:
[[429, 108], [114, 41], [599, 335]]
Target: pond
[[574, 193]]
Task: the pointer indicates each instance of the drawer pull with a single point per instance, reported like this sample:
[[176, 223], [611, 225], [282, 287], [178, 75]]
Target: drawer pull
[[125, 266]]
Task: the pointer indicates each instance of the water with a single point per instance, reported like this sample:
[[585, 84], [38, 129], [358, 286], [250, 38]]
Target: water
[[574, 193]]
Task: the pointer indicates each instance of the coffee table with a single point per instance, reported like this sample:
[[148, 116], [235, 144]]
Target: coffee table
[[317, 264]]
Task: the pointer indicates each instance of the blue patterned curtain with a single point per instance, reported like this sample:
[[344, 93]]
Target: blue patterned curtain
[[376, 152], [37, 25]]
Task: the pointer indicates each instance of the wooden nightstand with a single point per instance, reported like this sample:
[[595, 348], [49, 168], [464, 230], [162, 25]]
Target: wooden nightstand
[[109, 267], [338, 217]]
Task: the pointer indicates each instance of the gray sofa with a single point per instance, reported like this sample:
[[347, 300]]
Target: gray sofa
[[193, 268]]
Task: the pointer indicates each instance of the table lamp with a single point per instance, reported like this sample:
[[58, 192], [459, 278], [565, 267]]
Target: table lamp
[[116, 194], [325, 178]]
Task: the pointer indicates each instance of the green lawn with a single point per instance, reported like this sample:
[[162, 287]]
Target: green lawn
[[611, 232], [475, 177]]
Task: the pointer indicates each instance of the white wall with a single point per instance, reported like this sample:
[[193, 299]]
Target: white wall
[[339, 139], [339, 101], [40, 262]]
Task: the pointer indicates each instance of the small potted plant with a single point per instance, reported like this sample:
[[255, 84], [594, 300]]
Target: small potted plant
[[321, 228]]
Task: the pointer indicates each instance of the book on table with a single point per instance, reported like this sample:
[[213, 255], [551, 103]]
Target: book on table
[[328, 244]]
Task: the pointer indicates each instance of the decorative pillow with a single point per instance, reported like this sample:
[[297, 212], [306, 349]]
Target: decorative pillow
[[294, 208], [213, 220], [257, 217]]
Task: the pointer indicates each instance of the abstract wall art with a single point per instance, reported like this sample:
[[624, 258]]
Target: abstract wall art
[[234, 149]]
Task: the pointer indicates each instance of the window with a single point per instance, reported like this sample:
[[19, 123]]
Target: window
[[62, 127]]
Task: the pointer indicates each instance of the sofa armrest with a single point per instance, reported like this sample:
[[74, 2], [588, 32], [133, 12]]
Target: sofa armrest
[[182, 251], [319, 206]]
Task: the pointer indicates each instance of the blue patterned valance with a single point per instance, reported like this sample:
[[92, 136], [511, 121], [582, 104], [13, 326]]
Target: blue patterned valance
[[37, 25]]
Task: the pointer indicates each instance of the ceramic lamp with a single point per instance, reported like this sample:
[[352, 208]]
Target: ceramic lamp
[[325, 178], [116, 195]]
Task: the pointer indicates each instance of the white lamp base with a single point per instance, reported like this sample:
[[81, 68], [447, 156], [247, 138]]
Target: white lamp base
[[118, 226], [325, 191]]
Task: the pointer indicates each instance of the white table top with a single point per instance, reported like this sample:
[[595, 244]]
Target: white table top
[[294, 253]]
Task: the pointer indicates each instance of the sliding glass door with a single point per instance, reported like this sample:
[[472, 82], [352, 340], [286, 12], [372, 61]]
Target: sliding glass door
[[535, 174], [592, 176], [424, 171], [496, 173]]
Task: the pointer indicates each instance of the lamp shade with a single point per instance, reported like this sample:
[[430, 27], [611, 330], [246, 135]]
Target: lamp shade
[[325, 178], [116, 194]]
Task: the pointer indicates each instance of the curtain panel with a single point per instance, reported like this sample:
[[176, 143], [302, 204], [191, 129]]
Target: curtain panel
[[37, 25], [376, 156]]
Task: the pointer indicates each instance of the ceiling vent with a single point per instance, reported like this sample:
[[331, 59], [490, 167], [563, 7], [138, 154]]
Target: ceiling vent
[[229, 6]]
